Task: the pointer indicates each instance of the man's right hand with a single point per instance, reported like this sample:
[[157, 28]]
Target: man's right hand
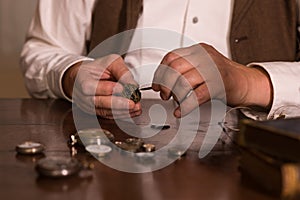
[[92, 84]]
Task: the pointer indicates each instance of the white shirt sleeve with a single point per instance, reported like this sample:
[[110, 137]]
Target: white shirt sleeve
[[55, 41], [286, 87]]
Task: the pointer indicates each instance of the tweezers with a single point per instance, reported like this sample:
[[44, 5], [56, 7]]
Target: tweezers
[[146, 88]]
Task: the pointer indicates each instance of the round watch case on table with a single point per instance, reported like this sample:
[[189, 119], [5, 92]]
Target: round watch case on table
[[92, 136], [30, 148], [56, 166], [99, 150]]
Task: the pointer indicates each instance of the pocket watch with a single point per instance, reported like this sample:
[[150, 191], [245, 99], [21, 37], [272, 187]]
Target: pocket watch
[[58, 166], [30, 148]]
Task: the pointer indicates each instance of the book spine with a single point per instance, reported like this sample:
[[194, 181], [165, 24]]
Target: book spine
[[290, 180], [268, 141]]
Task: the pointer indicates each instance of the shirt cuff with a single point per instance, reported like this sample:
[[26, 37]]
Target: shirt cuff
[[54, 77], [286, 88]]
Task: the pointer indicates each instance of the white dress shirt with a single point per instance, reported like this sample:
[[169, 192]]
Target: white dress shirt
[[58, 32]]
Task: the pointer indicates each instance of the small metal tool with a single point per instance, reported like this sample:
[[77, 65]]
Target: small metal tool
[[146, 88]]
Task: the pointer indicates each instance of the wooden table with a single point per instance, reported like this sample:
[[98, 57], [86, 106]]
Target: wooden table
[[51, 122]]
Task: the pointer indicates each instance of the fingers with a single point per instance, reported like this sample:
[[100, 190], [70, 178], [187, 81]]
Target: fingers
[[100, 88], [186, 83], [113, 113], [199, 96], [110, 113], [107, 106], [167, 75], [120, 71], [167, 60], [111, 67], [158, 75], [97, 84], [185, 74], [177, 53], [113, 102]]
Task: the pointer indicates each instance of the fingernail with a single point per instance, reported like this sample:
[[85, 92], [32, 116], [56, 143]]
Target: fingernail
[[155, 87], [163, 96], [177, 113], [131, 105], [137, 107], [135, 114]]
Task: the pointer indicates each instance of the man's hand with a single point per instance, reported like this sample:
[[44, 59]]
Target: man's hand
[[196, 74], [93, 85]]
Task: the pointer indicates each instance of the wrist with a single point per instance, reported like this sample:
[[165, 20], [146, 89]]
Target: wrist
[[69, 78], [260, 89]]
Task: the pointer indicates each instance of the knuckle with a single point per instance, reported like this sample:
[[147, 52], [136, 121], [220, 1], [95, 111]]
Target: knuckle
[[170, 57], [183, 83], [176, 63], [102, 113], [86, 87], [204, 44], [114, 57], [109, 59], [207, 47], [202, 94], [96, 102], [117, 103]]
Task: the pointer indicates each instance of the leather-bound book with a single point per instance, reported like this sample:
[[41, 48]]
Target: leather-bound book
[[279, 138], [271, 175]]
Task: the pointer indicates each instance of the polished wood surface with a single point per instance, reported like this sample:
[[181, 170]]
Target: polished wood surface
[[51, 122]]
